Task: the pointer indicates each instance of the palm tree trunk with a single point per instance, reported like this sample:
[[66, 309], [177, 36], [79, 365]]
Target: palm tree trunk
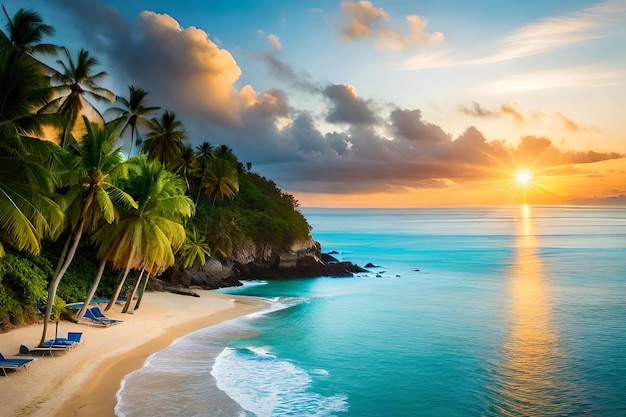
[[63, 255], [132, 143], [118, 290], [198, 195], [132, 295], [143, 290], [94, 287], [56, 279]]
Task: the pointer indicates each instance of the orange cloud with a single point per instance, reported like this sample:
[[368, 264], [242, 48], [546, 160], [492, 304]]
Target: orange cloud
[[275, 42], [363, 20], [204, 74]]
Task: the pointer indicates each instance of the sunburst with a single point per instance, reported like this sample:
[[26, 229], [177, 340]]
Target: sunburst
[[523, 178]]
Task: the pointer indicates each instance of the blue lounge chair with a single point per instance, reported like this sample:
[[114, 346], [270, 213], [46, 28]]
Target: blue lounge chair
[[98, 313], [72, 339], [99, 319], [12, 363], [58, 343], [31, 349], [95, 320]]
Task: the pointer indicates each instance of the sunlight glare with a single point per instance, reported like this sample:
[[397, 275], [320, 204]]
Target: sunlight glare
[[523, 177]]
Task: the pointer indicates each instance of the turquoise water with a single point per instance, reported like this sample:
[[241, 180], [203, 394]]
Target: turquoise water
[[471, 312]]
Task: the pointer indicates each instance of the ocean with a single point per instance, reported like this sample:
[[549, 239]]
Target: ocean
[[508, 311]]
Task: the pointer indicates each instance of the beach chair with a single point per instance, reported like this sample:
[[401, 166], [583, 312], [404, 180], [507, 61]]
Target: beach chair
[[89, 316], [72, 339], [13, 363], [50, 350], [60, 343], [74, 336], [98, 314]]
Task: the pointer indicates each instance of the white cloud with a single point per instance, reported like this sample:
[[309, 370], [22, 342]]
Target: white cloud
[[539, 37], [555, 78]]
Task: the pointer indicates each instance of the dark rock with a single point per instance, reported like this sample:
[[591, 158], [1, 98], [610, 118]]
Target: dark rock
[[371, 265], [182, 291], [333, 252], [305, 268], [328, 259], [210, 276], [305, 260]]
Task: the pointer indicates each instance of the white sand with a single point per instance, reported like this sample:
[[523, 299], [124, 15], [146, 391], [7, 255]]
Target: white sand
[[83, 381]]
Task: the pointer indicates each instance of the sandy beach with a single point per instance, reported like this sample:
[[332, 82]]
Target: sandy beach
[[84, 381]]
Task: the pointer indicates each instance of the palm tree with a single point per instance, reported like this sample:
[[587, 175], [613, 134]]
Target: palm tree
[[27, 213], [91, 198], [165, 139], [187, 165], [224, 152], [226, 233], [220, 180], [195, 249], [74, 83], [25, 31], [205, 154], [148, 236], [133, 112]]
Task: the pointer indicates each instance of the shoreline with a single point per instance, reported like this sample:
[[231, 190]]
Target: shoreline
[[85, 380]]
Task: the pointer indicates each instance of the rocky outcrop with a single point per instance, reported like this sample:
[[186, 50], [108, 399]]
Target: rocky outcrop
[[210, 276], [303, 260]]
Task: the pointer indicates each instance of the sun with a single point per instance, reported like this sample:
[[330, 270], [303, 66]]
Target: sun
[[523, 177]]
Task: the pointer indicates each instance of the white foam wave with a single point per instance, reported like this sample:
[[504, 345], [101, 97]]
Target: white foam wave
[[252, 283], [270, 387]]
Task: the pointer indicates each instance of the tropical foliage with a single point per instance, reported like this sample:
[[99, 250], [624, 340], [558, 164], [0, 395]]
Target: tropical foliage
[[100, 213]]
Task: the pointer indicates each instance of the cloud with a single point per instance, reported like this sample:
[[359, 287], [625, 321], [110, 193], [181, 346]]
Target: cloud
[[567, 123], [587, 76], [362, 20], [554, 119], [181, 67], [510, 110], [409, 125], [538, 37], [275, 42], [347, 107], [352, 144], [557, 32], [418, 30], [204, 73], [475, 109], [284, 72]]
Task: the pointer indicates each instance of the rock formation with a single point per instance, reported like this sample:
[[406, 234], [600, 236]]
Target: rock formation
[[303, 260]]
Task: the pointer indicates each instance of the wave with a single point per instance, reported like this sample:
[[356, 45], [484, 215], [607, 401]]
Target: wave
[[268, 386]]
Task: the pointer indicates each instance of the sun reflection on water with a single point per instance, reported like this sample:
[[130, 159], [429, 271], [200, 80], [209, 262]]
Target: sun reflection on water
[[526, 381]]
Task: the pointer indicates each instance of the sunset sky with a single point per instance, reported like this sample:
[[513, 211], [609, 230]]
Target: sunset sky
[[383, 103]]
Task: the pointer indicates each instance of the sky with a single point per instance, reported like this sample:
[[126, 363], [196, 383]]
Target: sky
[[387, 103]]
